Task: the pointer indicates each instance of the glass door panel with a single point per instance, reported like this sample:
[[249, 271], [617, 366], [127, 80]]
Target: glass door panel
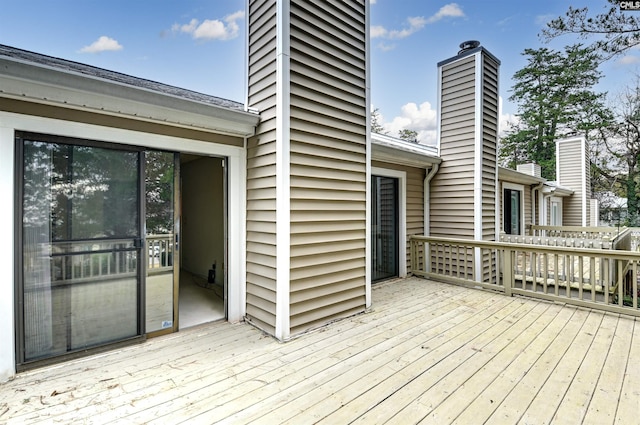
[[384, 227], [80, 247], [160, 240]]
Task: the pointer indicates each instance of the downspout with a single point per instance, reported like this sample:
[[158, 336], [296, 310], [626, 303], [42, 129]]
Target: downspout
[[427, 206], [427, 197]]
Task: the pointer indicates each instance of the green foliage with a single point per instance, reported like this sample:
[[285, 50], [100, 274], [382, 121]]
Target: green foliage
[[159, 175], [555, 98], [376, 126], [621, 138], [408, 135], [615, 31]]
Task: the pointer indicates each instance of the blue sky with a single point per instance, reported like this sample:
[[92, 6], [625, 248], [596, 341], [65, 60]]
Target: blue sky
[[200, 44]]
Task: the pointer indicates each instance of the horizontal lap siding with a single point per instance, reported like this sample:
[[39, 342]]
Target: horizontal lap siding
[[489, 140], [261, 169], [571, 174], [328, 162], [451, 204]]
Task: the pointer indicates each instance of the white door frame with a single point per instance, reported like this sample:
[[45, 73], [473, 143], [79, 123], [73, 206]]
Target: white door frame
[[402, 213]]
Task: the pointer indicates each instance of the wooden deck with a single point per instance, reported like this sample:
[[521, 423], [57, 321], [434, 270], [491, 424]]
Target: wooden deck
[[426, 353]]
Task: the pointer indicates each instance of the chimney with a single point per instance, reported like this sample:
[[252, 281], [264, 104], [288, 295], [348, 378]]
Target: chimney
[[464, 203], [531, 169]]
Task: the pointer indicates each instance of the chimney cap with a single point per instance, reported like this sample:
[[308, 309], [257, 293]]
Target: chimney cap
[[468, 45]]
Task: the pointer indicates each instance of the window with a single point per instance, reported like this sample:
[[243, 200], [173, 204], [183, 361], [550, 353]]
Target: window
[[556, 213], [512, 211]]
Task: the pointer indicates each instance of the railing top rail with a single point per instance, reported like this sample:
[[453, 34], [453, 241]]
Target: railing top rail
[[586, 229], [618, 254]]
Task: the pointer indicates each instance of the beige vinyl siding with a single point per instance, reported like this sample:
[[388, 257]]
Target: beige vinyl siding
[[414, 200], [489, 140], [527, 192], [261, 168], [451, 204], [571, 173], [328, 162]]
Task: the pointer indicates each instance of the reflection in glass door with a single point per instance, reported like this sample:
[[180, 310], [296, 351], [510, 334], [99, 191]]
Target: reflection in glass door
[[161, 254], [79, 280], [384, 227]]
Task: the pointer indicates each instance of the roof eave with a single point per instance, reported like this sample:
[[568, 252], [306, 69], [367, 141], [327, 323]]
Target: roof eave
[[389, 149], [41, 84], [513, 176]]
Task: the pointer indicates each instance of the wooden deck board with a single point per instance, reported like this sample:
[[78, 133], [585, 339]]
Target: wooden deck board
[[578, 397], [549, 398], [516, 402], [630, 393], [425, 351]]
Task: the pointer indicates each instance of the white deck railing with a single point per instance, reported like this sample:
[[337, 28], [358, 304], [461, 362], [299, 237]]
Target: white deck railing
[[596, 278]]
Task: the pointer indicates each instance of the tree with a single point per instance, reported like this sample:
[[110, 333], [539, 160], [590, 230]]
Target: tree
[[408, 135], [622, 141], [555, 98], [376, 126], [616, 31]]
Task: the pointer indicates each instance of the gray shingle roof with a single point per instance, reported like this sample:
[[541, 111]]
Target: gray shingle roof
[[80, 68]]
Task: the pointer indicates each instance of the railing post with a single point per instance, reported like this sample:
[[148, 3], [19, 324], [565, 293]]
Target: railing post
[[507, 273]]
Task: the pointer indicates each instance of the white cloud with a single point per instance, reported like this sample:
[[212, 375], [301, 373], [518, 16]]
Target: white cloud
[[416, 23], [377, 31], [422, 119], [628, 60], [451, 10], [386, 47], [212, 29], [506, 122], [102, 44]]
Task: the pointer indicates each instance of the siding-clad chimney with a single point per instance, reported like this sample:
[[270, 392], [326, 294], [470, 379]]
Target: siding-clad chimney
[[573, 171], [307, 164], [463, 194], [530, 168]]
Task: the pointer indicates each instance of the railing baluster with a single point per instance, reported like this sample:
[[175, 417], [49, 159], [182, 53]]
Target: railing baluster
[[568, 275], [634, 286], [581, 276], [592, 277], [556, 274], [620, 282]]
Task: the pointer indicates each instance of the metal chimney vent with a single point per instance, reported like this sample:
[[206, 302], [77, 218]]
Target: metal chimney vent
[[468, 45]]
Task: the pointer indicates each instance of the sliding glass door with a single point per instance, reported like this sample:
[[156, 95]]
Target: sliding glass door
[[81, 246], [384, 228]]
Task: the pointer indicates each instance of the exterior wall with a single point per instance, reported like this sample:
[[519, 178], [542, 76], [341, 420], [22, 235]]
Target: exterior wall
[[261, 167], [452, 188], [572, 170], [308, 165], [414, 203], [10, 122], [463, 192], [328, 161], [463, 200], [489, 129]]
